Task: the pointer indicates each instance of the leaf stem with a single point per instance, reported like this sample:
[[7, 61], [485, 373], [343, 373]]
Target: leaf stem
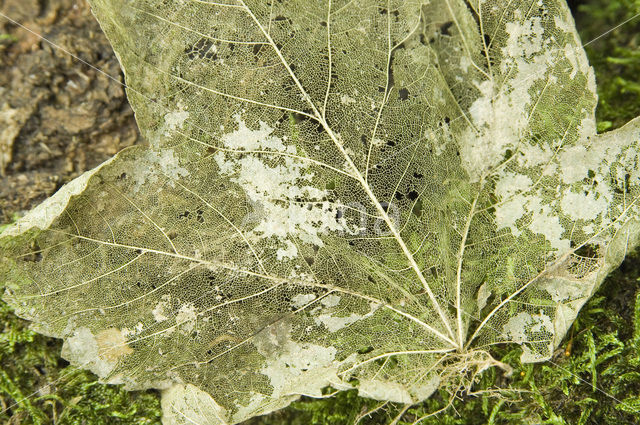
[[463, 243]]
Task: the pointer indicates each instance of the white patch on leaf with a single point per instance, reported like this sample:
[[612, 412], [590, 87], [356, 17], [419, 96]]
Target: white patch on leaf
[[537, 155], [525, 39], [502, 112], [575, 162], [511, 184], [126, 332], [160, 311], [247, 139], [482, 109], [291, 251], [301, 300], [507, 213], [248, 409], [154, 164], [180, 402], [543, 217], [545, 221], [99, 353], [581, 206], [335, 323], [384, 390], [520, 327], [347, 100], [274, 186], [570, 54], [563, 25], [465, 63], [296, 368], [483, 295], [331, 300], [285, 370], [186, 318], [563, 290], [173, 120]]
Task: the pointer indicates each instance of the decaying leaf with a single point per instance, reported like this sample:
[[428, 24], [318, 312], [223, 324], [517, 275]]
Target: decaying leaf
[[357, 194]]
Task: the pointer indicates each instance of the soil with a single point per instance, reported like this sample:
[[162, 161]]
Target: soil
[[58, 116]]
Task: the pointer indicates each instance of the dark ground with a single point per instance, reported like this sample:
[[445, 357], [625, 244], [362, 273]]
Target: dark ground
[[58, 117]]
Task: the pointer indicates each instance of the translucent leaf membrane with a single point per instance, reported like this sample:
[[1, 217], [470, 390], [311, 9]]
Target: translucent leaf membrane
[[354, 194]]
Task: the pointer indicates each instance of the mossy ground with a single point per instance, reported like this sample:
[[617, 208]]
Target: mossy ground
[[594, 377]]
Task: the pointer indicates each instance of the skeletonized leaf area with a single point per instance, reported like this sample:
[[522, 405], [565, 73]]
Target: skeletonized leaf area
[[358, 194]]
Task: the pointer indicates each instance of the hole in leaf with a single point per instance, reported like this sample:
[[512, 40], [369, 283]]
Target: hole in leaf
[[36, 255], [444, 29], [417, 209], [281, 18], [587, 251], [202, 50], [365, 350], [257, 48]]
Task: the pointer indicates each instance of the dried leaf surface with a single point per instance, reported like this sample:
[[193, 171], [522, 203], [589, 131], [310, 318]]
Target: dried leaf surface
[[348, 193]]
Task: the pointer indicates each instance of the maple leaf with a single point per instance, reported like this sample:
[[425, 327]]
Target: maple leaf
[[356, 194]]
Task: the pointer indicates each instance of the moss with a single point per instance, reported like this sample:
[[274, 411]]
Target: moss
[[594, 378], [38, 387], [615, 56]]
